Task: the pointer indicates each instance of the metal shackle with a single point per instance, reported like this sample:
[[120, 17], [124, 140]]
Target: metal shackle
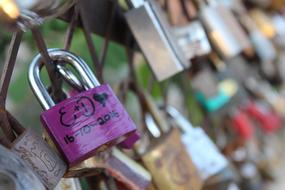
[[180, 120], [151, 126], [61, 56]]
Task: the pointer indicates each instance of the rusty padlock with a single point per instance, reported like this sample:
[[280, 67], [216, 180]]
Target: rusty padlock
[[84, 124]]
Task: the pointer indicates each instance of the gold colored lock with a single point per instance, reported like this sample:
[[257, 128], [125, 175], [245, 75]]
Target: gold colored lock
[[165, 156]]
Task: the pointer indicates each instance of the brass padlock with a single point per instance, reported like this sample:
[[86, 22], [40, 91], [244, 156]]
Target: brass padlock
[[165, 156]]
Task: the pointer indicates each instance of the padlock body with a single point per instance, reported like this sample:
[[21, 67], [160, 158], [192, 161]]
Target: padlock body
[[45, 163], [157, 45], [87, 123], [204, 153], [170, 165]]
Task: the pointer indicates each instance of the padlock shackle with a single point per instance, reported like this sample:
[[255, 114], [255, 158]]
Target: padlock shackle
[[151, 126], [184, 124], [61, 56], [70, 78]]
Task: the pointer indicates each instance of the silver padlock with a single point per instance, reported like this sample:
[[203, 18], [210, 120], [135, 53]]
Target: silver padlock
[[193, 40], [155, 38], [204, 153], [14, 174]]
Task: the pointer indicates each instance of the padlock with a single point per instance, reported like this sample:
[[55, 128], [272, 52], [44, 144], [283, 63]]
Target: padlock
[[80, 86], [267, 119], [158, 43], [193, 40], [31, 148], [165, 156], [15, 174], [204, 153], [242, 124], [223, 29], [68, 184], [86, 123], [170, 164]]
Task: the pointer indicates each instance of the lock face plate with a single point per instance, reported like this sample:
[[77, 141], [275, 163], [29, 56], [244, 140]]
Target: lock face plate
[[45, 163], [205, 155], [88, 123], [170, 165]]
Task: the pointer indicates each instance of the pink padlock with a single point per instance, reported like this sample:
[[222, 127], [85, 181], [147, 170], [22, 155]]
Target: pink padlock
[[79, 86], [86, 123]]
